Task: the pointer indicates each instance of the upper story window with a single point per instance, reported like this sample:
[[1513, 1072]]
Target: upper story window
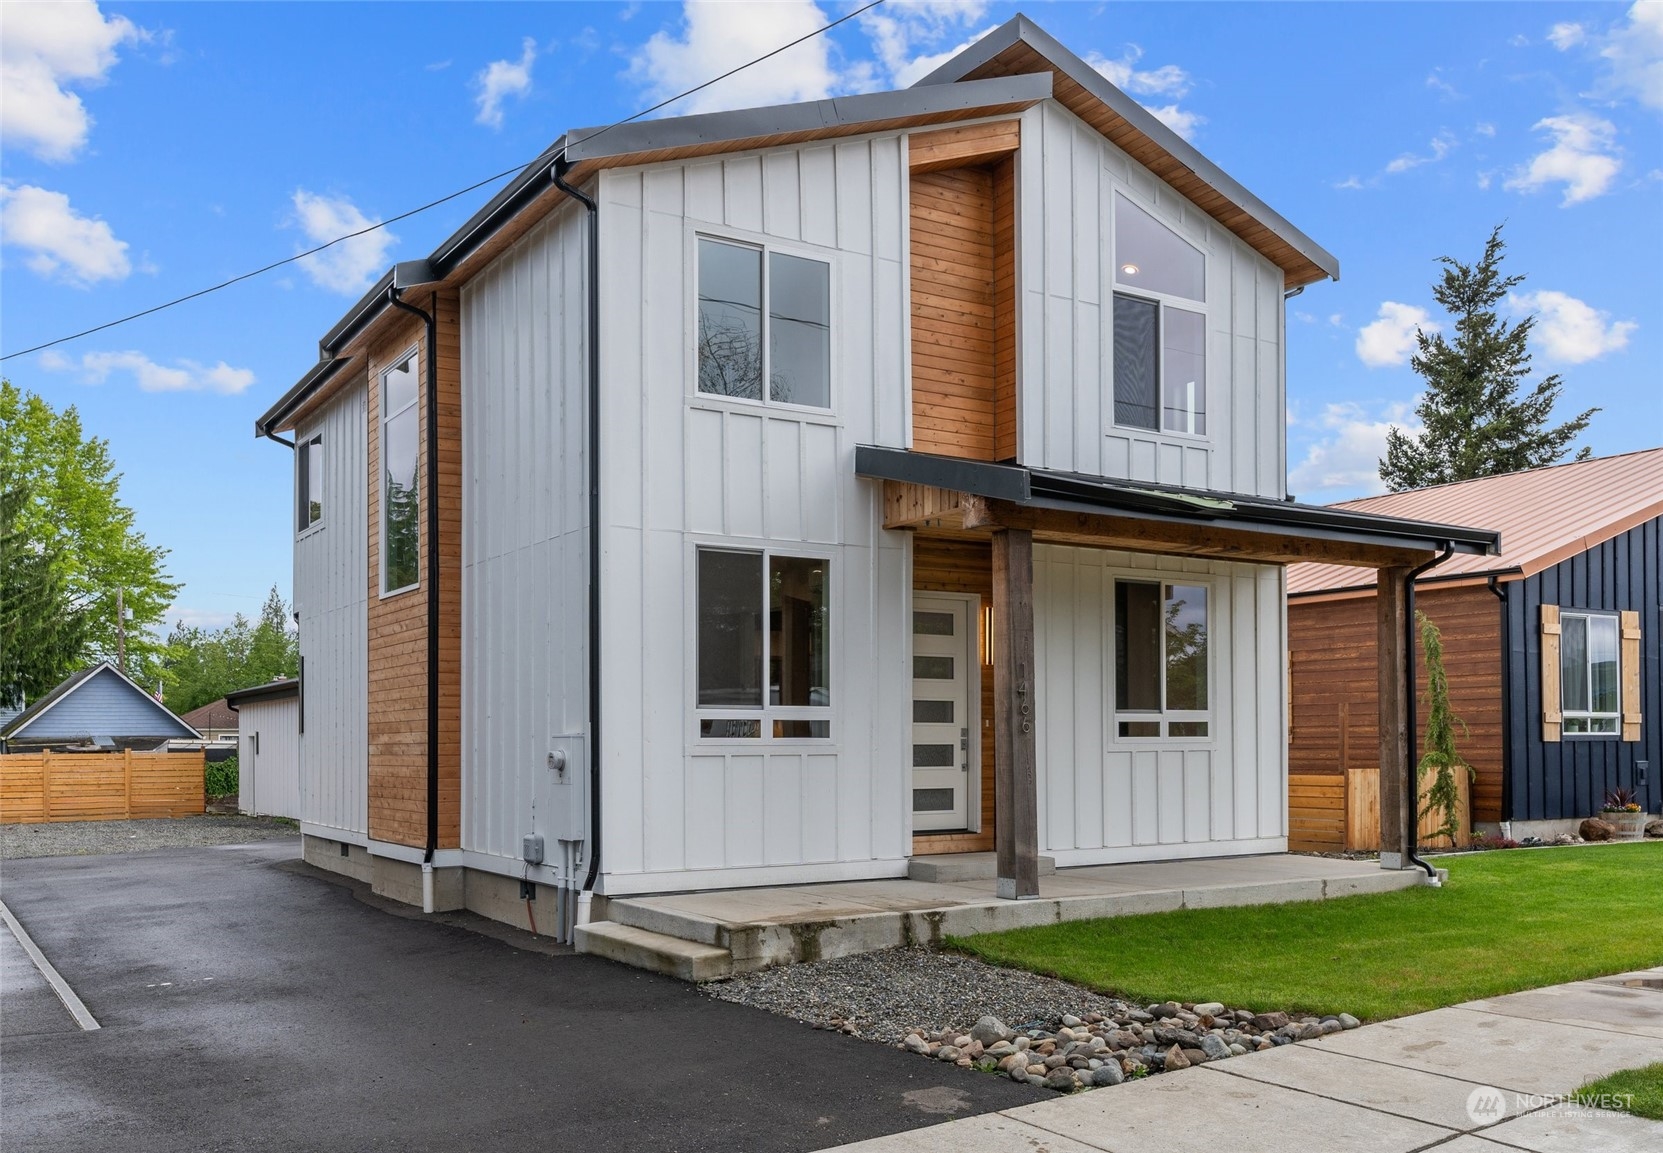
[[764, 316], [1589, 697], [308, 483], [1160, 345], [1161, 663], [400, 487]]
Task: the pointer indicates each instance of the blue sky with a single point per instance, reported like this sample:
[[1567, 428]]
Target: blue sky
[[153, 149]]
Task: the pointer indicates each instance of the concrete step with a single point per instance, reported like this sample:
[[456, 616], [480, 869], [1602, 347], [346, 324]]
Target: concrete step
[[657, 952], [945, 868], [644, 914]]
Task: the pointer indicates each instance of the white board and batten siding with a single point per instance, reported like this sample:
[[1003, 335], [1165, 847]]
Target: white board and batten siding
[[1068, 176], [1104, 799], [525, 548], [268, 758], [332, 597], [684, 470]]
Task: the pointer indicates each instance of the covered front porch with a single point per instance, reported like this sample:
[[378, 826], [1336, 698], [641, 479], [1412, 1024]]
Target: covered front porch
[[711, 935]]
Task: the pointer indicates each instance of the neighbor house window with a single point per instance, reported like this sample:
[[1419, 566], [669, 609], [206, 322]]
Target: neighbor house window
[[764, 316], [1161, 665], [1589, 692], [400, 491], [1160, 345], [764, 631], [309, 482]]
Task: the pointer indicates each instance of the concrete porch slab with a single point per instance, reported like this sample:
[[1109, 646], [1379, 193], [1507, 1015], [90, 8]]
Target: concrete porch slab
[[772, 926], [964, 867]]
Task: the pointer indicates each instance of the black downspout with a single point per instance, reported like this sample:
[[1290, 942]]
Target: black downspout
[[269, 435], [1506, 631], [1411, 832], [432, 399], [558, 173]]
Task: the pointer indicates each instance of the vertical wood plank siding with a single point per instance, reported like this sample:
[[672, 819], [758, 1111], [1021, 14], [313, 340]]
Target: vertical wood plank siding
[[1335, 721], [1569, 778]]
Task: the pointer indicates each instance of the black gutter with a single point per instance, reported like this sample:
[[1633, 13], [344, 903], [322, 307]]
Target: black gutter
[[393, 298], [593, 334], [1411, 831]]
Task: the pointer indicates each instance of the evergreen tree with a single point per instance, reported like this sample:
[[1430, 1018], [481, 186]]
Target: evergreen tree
[[1476, 424], [203, 665]]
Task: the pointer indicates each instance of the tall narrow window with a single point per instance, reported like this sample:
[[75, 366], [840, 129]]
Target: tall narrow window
[[762, 616], [400, 487], [1160, 347], [1161, 659], [763, 320], [1589, 690], [309, 483]]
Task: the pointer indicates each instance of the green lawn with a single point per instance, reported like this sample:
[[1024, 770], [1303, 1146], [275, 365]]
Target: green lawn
[[1642, 1088], [1507, 920]]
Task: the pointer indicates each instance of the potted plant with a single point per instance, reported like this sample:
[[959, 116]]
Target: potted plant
[[1622, 808]]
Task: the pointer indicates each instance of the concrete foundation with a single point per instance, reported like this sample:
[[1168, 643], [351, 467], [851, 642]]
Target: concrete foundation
[[497, 897], [323, 853], [402, 881]]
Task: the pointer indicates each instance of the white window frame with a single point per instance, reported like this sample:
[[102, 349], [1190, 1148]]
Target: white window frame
[[768, 713], [1164, 716], [304, 447], [766, 246], [1589, 716], [1164, 301], [412, 358]]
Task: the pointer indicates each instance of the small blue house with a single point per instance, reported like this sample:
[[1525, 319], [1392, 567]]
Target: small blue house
[[98, 707]]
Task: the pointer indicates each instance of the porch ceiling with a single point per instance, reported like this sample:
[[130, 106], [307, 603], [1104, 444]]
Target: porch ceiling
[[962, 498]]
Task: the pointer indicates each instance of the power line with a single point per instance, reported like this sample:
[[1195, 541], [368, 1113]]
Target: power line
[[433, 203]]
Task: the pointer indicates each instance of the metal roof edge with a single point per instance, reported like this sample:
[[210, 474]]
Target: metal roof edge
[[316, 377], [998, 481], [271, 690], [1020, 29], [807, 116]]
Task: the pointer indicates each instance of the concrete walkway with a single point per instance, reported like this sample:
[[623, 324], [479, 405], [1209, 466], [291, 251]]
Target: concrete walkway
[[1483, 1077]]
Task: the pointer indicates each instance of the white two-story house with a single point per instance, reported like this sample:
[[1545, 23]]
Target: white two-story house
[[777, 496]]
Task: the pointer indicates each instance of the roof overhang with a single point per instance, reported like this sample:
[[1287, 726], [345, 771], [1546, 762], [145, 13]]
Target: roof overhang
[[271, 690], [1019, 46], [951, 496]]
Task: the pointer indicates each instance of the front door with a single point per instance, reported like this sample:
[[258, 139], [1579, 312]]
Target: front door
[[942, 665]]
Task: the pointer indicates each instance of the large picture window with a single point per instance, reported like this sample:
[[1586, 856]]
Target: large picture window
[[400, 487], [1161, 662], [1160, 346], [764, 316], [1589, 686], [763, 639], [308, 483]]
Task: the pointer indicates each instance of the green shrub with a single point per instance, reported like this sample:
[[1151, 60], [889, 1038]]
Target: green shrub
[[221, 777]]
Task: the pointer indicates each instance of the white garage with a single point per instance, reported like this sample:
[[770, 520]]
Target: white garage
[[268, 748]]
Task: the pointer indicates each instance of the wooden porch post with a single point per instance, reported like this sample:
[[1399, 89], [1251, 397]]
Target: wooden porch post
[[1016, 789], [1394, 717]]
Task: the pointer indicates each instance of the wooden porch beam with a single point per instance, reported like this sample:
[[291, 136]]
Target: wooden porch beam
[[1016, 787], [1394, 691], [907, 505], [1105, 530]]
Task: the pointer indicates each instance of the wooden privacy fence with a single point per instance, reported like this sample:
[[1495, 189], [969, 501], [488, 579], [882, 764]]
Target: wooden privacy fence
[[1331, 812], [37, 787]]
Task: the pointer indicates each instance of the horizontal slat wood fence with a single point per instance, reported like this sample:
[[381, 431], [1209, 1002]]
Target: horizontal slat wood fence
[[39, 787], [1330, 812]]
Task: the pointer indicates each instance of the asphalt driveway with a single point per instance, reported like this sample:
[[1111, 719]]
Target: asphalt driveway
[[248, 1005]]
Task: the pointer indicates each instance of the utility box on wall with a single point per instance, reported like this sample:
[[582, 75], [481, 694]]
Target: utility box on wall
[[565, 793]]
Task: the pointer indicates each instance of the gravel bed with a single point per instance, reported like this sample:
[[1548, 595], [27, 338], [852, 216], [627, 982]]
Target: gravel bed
[[885, 995], [83, 838]]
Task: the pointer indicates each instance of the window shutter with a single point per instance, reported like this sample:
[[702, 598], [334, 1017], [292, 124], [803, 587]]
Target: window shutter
[[1630, 665], [1550, 673]]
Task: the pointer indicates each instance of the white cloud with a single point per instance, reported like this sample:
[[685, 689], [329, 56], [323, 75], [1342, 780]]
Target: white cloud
[[1390, 339], [1484, 128], [715, 37], [501, 79], [1441, 145], [1168, 80], [1570, 331], [1350, 183], [1345, 461], [181, 376], [1566, 35], [1634, 55], [62, 244], [45, 48], [1438, 84], [1581, 158], [1180, 120], [352, 265], [908, 37]]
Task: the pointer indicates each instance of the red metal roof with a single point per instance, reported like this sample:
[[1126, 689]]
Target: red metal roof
[[1544, 515]]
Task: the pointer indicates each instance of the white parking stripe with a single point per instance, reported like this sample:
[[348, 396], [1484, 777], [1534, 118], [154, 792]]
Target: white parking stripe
[[53, 977]]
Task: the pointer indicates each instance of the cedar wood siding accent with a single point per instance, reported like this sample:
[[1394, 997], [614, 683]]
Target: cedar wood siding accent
[[1335, 723], [1569, 778], [398, 624], [961, 566]]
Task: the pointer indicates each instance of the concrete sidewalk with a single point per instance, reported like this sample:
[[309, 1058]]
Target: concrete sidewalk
[[1483, 1077]]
